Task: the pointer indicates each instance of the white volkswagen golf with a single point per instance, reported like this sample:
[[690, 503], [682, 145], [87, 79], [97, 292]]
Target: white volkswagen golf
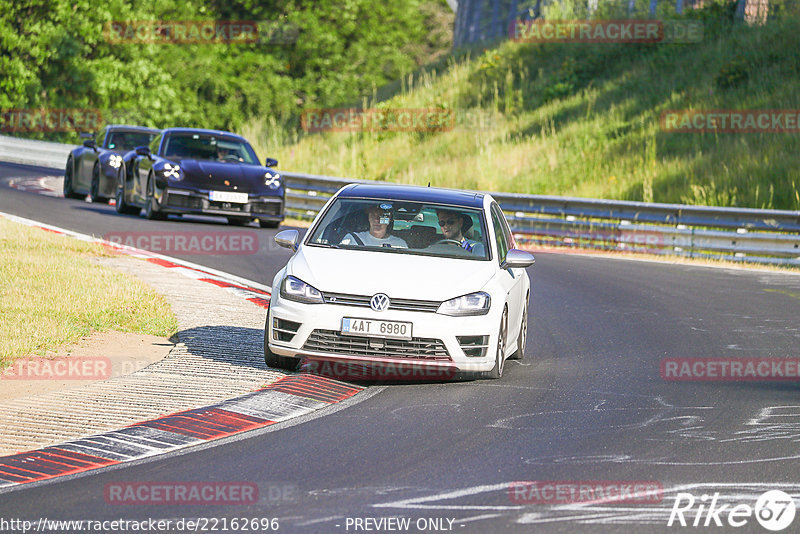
[[417, 282]]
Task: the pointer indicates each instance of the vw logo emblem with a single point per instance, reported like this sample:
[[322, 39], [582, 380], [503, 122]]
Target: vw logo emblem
[[379, 302]]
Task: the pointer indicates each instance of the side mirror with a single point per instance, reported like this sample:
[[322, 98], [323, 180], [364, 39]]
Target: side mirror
[[270, 162], [143, 151], [288, 239], [516, 258], [89, 143]]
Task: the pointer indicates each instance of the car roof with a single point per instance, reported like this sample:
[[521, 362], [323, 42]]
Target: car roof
[[131, 128], [202, 131], [414, 193]]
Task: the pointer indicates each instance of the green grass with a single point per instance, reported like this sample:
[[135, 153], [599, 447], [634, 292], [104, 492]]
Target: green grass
[[53, 292], [583, 120]]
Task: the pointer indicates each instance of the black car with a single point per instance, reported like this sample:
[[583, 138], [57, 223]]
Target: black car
[[209, 172], [92, 168]]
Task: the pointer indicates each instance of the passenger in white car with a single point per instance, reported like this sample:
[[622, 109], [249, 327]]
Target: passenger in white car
[[379, 233]]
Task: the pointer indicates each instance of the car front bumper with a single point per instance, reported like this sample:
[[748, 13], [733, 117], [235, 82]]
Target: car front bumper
[[180, 201], [440, 343]]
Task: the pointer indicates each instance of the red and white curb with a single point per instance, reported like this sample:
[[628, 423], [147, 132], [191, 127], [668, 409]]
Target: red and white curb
[[254, 292], [289, 397], [44, 185]]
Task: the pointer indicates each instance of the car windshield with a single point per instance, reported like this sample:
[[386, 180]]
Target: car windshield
[[124, 141], [209, 147], [405, 227]]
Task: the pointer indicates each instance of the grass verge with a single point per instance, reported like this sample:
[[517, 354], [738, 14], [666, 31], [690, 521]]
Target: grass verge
[[580, 119], [52, 293]]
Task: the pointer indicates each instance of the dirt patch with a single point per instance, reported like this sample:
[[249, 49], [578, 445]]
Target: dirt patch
[[101, 356]]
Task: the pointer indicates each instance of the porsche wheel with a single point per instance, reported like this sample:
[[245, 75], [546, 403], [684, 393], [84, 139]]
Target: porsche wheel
[[239, 221], [69, 176], [151, 212], [122, 206], [268, 224], [94, 189]]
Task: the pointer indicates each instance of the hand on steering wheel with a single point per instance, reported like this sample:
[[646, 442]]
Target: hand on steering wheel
[[448, 242]]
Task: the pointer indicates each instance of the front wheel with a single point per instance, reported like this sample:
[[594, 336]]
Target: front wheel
[[239, 221], [268, 224], [69, 178], [500, 359], [151, 212], [523, 334], [94, 189], [122, 206]]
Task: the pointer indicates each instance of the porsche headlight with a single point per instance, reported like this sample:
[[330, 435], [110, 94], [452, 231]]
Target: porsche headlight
[[295, 289], [115, 161], [472, 304], [173, 172], [272, 180]]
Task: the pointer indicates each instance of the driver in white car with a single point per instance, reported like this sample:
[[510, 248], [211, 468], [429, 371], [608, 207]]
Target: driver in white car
[[379, 234], [454, 225]]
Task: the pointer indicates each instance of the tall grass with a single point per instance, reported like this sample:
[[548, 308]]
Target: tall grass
[[583, 120]]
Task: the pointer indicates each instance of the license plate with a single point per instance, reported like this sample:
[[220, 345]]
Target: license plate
[[375, 328], [227, 196]]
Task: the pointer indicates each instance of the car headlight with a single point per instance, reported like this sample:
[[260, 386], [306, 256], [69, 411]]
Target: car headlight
[[115, 161], [172, 172], [472, 304], [295, 289], [272, 180]]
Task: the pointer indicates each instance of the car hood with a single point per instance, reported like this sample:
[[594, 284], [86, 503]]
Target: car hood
[[212, 174], [398, 275]]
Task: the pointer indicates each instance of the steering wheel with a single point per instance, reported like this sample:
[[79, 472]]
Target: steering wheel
[[448, 242]]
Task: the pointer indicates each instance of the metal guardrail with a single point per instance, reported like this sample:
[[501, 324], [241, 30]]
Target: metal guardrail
[[737, 234]]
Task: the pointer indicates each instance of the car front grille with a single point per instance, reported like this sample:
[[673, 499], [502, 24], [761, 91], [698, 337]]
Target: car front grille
[[184, 201], [266, 208], [394, 304], [333, 342]]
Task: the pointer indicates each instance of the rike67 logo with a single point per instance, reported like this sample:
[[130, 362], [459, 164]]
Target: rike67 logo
[[774, 510]]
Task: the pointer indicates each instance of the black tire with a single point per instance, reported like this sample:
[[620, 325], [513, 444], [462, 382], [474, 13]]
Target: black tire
[[276, 361], [69, 176], [268, 224], [94, 189], [499, 360], [239, 221], [122, 207], [523, 335], [151, 212]]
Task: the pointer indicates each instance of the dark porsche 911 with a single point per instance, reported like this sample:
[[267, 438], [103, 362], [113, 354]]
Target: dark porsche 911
[[209, 172], [92, 168]]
